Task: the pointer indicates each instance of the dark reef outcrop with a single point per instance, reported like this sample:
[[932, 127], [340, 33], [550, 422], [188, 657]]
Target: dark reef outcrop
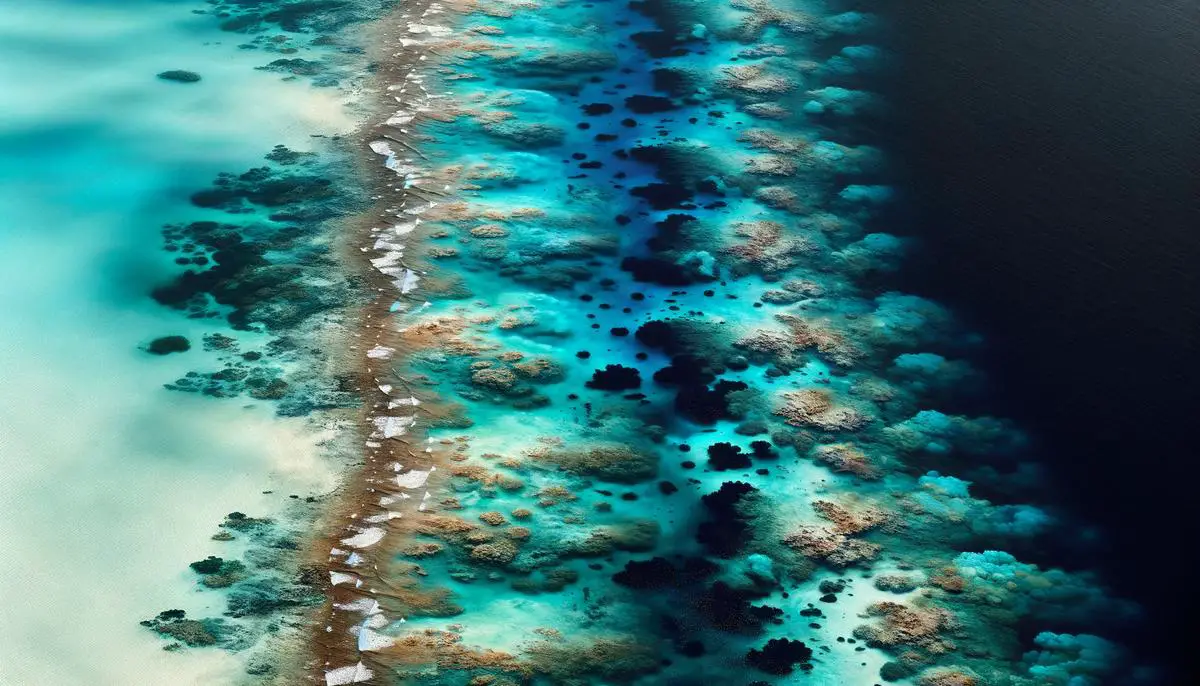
[[179, 76], [725, 532], [615, 377], [779, 656], [168, 344]]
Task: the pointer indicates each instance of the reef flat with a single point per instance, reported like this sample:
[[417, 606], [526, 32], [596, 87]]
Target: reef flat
[[644, 405], [260, 260]]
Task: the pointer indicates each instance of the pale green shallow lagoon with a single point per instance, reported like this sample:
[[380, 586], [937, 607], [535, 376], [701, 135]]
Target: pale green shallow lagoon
[[110, 483]]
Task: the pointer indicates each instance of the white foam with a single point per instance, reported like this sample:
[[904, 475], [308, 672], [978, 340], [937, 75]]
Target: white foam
[[420, 209], [336, 578], [365, 539], [352, 674], [365, 606], [372, 640], [391, 427], [382, 517], [413, 479], [408, 282], [406, 227], [384, 244], [380, 352], [389, 259]]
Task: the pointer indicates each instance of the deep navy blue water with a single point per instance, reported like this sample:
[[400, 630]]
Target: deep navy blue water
[[1054, 154]]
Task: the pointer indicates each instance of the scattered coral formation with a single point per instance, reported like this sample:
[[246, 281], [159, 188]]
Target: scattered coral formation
[[815, 408], [638, 394]]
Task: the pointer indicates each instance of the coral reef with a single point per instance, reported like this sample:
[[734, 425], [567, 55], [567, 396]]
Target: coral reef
[[904, 625], [607, 462], [663, 415], [778, 656], [839, 550], [613, 659], [815, 408], [847, 458]]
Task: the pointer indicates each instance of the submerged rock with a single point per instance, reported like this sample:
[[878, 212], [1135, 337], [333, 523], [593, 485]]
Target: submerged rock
[[209, 565], [615, 377], [607, 659], [295, 67], [263, 597], [729, 609], [895, 583], [218, 573], [778, 656], [524, 135], [648, 104], [947, 676], [658, 572], [241, 522], [726, 531], [905, 625], [196, 633], [179, 76], [169, 344], [815, 408], [609, 462], [895, 671], [560, 63], [724, 456], [499, 553], [190, 632]]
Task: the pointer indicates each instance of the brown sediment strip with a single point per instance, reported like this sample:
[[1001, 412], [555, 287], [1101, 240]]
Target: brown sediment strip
[[372, 496]]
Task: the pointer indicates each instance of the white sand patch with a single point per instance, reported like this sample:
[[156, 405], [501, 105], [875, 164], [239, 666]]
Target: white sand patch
[[413, 479], [390, 427], [352, 674], [365, 538], [337, 578], [380, 352]]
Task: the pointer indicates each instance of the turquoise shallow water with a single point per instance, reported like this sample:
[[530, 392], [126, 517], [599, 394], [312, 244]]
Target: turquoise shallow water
[[111, 483]]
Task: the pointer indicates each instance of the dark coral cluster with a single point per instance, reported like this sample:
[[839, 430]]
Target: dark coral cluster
[[265, 270], [318, 29], [260, 590]]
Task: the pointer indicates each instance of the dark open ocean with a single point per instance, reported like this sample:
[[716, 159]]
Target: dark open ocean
[[1054, 153]]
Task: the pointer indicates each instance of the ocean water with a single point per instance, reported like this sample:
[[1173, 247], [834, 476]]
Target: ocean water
[[530, 343], [1055, 161], [111, 483]]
